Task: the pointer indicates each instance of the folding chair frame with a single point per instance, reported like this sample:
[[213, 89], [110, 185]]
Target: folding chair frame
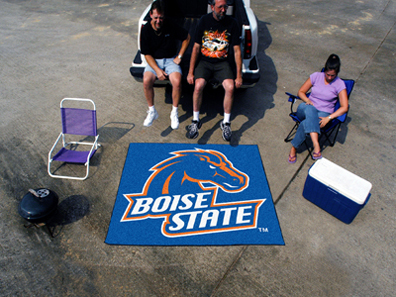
[[93, 145], [327, 131]]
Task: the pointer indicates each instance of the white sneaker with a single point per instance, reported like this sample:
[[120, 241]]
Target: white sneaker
[[151, 116], [174, 116]]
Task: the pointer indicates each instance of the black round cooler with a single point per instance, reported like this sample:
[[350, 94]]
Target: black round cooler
[[38, 205]]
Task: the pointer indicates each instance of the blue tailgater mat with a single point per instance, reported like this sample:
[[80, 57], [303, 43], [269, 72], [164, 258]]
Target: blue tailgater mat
[[190, 194]]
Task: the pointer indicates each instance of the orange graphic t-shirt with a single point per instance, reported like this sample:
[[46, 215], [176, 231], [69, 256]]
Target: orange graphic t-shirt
[[216, 38], [215, 44]]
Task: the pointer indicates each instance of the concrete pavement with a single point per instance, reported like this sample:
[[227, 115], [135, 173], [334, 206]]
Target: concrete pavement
[[51, 50]]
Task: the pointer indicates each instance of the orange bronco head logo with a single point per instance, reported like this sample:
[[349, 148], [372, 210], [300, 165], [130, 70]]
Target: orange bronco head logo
[[183, 189], [203, 167]]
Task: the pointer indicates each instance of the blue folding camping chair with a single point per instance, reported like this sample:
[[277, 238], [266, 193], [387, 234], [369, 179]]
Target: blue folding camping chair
[[76, 122], [332, 127]]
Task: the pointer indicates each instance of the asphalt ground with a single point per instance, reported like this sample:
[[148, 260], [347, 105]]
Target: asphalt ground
[[55, 49]]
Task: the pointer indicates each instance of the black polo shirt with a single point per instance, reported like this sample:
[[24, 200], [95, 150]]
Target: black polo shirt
[[163, 45]]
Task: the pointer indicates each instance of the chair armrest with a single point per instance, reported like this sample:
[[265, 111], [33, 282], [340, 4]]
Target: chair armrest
[[292, 100], [292, 97]]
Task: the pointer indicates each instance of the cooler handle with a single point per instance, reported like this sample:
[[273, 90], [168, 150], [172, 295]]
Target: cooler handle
[[331, 190]]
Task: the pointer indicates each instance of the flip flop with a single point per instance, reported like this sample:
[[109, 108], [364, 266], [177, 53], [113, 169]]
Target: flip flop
[[317, 156], [291, 158]]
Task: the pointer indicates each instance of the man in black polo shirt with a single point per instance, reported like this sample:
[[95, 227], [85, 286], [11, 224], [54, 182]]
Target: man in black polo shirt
[[159, 46], [216, 34]]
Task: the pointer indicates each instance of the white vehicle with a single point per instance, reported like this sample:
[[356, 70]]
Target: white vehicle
[[187, 14]]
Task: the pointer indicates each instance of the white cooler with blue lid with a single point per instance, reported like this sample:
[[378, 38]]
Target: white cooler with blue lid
[[336, 190]]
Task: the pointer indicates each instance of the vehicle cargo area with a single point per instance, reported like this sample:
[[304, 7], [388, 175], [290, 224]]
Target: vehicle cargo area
[[187, 15]]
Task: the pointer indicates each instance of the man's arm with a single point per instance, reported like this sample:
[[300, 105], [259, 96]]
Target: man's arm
[[238, 62], [193, 60], [161, 75], [183, 49]]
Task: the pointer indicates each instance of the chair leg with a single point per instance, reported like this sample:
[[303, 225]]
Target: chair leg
[[68, 176], [328, 135], [309, 149], [291, 133]]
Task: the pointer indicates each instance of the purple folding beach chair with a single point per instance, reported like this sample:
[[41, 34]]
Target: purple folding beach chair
[[76, 122]]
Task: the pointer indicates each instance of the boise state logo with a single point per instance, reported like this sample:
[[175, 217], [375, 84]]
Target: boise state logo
[[191, 194], [183, 189]]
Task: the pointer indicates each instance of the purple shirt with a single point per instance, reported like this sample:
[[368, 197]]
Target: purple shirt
[[324, 97]]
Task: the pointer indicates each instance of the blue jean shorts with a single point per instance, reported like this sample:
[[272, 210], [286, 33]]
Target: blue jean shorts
[[165, 64]]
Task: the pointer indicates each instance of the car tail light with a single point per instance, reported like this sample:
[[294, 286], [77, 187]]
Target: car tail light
[[248, 44], [140, 39]]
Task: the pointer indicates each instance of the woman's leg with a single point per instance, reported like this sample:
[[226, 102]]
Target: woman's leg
[[293, 155], [315, 142], [309, 125], [300, 135], [315, 135]]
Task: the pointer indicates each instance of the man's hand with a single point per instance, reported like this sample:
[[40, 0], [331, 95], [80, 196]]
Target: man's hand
[[161, 74], [190, 78], [238, 82]]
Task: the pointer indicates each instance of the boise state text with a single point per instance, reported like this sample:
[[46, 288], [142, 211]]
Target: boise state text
[[182, 191]]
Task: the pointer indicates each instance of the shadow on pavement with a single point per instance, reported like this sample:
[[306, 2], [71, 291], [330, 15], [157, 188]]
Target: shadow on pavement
[[70, 210]]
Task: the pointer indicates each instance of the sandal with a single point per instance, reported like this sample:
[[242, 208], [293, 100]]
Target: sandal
[[292, 159], [317, 156]]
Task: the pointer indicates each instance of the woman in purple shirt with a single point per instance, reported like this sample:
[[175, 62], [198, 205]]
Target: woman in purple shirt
[[317, 110]]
